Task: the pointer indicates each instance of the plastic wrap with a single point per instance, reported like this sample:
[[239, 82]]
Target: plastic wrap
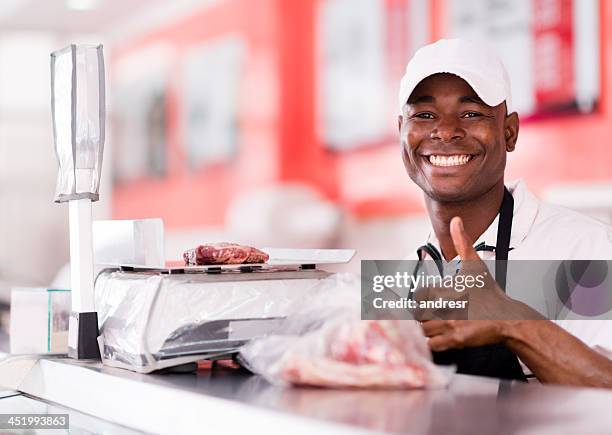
[[78, 109], [323, 343], [152, 321]]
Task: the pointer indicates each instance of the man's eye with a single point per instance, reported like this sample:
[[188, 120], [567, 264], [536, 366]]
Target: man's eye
[[471, 114], [424, 115]]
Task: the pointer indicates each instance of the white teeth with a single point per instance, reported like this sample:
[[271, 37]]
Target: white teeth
[[455, 160]]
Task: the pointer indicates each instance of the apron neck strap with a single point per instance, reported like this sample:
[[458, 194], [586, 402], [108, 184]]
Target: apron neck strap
[[504, 231], [501, 248]]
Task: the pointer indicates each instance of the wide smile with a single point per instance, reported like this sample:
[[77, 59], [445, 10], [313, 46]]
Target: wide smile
[[444, 161]]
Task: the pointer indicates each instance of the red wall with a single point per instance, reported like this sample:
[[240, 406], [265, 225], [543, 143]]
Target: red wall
[[370, 182], [185, 198]]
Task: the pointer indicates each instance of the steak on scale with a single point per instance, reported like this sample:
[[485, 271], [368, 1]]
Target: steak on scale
[[223, 253]]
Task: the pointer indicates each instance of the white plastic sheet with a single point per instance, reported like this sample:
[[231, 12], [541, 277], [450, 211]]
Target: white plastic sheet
[[150, 321]]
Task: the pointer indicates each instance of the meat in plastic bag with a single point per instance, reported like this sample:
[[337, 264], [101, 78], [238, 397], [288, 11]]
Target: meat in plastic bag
[[324, 343]]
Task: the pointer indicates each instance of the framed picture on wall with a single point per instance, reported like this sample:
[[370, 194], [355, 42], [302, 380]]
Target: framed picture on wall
[[352, 72], [550, 48], [139, 114], [211, 78]]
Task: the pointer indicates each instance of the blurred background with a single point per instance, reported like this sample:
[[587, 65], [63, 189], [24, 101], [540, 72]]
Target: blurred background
[[274, 122]]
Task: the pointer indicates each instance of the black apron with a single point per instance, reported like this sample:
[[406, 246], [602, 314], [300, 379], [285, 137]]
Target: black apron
[[494, 360]]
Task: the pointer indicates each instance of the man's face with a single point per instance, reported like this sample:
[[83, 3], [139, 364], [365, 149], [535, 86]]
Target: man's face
[[454, 145]]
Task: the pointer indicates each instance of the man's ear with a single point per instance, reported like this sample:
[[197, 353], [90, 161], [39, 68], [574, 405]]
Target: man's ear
[[511, 130], [400, 118]]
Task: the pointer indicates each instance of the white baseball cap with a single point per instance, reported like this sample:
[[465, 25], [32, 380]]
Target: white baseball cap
[[475, 63]]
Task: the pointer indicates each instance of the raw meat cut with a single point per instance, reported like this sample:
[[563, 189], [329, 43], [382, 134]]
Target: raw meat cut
[[367, 353], [223, 253]]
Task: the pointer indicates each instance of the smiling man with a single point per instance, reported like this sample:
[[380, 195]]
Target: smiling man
[[457, 126]]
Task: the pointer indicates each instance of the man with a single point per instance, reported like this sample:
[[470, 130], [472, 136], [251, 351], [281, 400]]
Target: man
[[456, 127]]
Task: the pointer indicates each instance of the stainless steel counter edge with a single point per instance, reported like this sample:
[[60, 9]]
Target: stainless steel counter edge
[[124, 399]]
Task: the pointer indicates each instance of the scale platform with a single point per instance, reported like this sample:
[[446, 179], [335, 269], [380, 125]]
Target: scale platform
[[281, 260]]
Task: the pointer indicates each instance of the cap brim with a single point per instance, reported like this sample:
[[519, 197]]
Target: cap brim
[[489, 92]]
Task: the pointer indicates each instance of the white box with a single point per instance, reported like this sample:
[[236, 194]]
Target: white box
[[129, 242], [39, 320]]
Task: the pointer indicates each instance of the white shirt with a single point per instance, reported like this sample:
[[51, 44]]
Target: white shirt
[[542, 231]]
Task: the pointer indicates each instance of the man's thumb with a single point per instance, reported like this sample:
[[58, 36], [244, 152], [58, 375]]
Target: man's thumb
[[463, 246]]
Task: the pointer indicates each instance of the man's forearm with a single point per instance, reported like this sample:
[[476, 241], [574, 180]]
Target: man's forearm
[[555, 356]]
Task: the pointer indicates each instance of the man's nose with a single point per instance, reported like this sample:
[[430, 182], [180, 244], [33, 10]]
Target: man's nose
[[447, 131]]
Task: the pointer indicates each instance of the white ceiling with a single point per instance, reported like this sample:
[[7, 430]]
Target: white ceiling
[[108, 17], [54, 15]]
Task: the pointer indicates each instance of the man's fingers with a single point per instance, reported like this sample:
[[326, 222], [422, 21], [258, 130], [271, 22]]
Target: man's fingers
[[463, 246], [435, 327], [440, 343], [451, 335], [461, 334]]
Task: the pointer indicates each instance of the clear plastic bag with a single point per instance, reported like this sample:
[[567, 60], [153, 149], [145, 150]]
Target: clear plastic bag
[[324, 343]]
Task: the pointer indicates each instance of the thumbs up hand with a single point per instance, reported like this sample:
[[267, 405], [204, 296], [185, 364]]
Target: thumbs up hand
[[489, 308], [473, 283], [486, 300]]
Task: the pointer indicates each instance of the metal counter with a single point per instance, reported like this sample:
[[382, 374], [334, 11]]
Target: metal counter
[[470, 405], [231, 400]]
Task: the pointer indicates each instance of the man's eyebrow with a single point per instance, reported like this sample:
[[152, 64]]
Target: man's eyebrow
[[431, 99], [469, 99], [421, 99]]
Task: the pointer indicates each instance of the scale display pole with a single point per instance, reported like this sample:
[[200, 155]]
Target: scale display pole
[[78, 110]]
